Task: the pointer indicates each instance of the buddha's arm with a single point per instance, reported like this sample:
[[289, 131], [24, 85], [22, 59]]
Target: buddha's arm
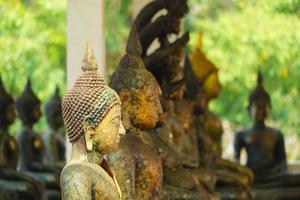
[[169, 157], [279, 156], [226, 164], [75, 185]]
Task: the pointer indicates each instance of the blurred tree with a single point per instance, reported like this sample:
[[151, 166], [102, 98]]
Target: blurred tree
[[33, 44]]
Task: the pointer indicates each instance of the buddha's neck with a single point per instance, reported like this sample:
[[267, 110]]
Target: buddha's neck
[[95, 157], [259, 124], [79, 152]]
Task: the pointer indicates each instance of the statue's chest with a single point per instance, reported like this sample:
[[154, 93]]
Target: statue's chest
[[262, 142], [104, 187]]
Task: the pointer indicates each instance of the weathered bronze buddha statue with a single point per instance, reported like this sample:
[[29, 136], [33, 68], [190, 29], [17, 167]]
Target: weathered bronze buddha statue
[[176, 130], [53, 137], [20, 185], [138, 169], [141, 150], [265, 149], [92, 116], [165, 65]]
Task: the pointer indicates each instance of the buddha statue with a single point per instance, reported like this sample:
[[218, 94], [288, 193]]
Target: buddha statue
[[92, 115], [138, 169], [141, 150], [53, 137], [178, 144], [165, 65], [209, 127], [265, 149], [32, 148], [16, 184]]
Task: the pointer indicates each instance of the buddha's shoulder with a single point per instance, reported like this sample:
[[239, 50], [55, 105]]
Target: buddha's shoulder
[[78, 170], [274, 131]]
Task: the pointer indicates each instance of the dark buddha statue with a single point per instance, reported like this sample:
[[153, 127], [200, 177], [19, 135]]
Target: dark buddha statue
[[264, 145], [265, 149], [53, 136], [92, 116], [32, 153], [21, 186]]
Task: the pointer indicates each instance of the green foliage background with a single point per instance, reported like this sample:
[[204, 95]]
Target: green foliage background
[[241, 37], [33, 44]]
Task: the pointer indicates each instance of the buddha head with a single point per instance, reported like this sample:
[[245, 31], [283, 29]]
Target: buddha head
[[53, 111], [28, 106], [205, 70], [7, 108], [137, 88], [92, 110], [259, 101]]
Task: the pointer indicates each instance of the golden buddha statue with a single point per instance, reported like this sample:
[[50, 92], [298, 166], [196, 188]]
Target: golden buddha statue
[[92, 116], [209, 126]]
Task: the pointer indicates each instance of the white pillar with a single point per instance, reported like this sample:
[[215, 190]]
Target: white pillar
[[85, 23], [138, 5]]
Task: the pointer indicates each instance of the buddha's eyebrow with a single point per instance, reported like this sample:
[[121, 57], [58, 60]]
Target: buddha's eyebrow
[[116, 117]]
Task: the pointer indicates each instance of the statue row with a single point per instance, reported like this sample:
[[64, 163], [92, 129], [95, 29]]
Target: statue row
[[171, 149], [149, 133], [30, 165]]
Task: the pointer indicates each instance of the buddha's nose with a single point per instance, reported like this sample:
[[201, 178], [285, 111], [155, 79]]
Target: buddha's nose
[[122, 130]]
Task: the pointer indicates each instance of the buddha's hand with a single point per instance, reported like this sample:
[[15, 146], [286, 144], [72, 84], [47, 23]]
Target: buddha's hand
[[248, 172]]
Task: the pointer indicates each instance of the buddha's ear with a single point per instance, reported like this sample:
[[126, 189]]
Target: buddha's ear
[[89, 135]]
